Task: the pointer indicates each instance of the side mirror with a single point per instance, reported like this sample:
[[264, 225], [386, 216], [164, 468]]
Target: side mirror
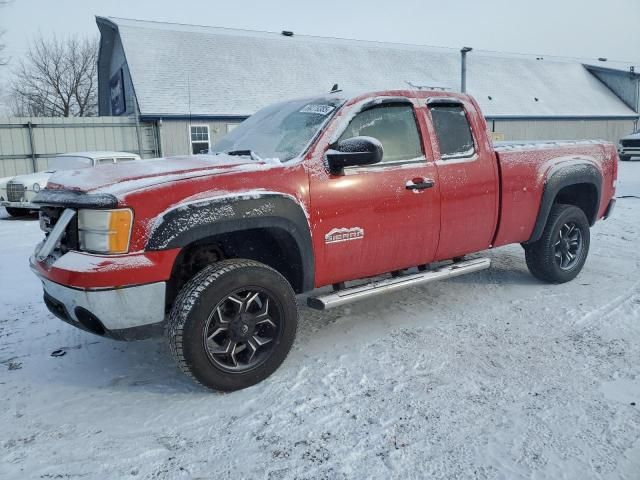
[[354, 151]]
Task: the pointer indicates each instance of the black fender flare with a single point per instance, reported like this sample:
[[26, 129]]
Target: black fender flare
[[563, 175], [185, 224]]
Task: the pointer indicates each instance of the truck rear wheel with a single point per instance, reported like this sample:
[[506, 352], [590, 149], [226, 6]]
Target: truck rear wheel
[[625, 158], [233, 324], [562, 250]]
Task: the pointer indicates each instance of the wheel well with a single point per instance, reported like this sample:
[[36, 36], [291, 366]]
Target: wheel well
[[582, 195], [274, 247]]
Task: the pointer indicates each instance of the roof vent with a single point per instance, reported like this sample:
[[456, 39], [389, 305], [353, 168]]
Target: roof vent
[[287, 33], [602, 59]]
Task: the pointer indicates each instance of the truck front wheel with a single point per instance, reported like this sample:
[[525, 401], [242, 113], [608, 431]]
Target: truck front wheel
[[562, 250], [233, 324]]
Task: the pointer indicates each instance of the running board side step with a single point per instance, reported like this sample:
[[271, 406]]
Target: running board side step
[[352, 294]]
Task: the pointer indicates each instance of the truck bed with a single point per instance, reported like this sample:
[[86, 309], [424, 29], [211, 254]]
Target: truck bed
[[524, 169]]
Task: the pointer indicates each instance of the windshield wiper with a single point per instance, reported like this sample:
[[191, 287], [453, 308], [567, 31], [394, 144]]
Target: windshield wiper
[[245, 153]]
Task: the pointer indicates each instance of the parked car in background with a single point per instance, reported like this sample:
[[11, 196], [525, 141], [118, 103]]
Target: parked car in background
[[17, 192], [629, 146]]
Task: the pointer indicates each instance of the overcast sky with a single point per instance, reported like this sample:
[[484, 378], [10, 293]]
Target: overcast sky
[[576, 28]]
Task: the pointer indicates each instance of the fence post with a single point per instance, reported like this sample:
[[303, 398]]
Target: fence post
[[34, 161]]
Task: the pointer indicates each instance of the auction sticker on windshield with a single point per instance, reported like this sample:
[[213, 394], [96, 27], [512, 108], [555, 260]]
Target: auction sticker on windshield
[[317, 109]]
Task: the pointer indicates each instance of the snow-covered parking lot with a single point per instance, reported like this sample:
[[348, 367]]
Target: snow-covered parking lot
[[491, 375]]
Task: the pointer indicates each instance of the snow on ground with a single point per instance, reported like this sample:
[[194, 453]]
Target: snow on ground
[[490, 375]]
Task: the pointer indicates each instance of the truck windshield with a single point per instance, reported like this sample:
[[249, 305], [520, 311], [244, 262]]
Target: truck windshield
[[69, 162], [281, 131]]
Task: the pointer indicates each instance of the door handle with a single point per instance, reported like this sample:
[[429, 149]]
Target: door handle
[[419, 184]]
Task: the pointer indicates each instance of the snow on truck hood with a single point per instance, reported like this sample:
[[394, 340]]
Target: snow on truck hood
[[138, 174]]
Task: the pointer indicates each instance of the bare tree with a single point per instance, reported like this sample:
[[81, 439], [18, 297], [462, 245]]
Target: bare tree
[[3, 59], [58, 78]]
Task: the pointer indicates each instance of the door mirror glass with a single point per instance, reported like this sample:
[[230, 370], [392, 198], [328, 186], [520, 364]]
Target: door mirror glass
[[354, 151]]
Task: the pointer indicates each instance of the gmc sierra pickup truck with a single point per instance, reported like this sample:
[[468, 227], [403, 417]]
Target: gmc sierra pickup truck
[[362, 194]]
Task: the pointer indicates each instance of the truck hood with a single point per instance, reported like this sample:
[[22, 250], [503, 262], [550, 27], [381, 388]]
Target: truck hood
[[134, 175]]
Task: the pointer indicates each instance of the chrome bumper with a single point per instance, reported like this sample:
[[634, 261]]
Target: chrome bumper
[[127, 313], [25, 205], [633, 151]]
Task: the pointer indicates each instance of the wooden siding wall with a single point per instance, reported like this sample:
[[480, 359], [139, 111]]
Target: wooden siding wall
[[176, 139], [610, 130]]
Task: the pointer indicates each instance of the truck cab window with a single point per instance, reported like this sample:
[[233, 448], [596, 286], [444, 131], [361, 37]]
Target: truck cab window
[[453, 131], [394, 126]]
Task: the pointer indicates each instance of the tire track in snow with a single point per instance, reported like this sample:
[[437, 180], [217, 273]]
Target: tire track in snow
[[610, 308]]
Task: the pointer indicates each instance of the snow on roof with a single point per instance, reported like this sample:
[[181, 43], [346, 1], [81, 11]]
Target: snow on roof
[[98, 153], [184, 69]]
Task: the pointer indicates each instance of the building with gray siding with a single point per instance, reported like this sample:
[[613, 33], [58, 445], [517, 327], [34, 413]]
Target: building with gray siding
[[194, 83]]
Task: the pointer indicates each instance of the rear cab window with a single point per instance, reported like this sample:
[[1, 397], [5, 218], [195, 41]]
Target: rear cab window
[[104, 161], [453, 131], [394, 125]]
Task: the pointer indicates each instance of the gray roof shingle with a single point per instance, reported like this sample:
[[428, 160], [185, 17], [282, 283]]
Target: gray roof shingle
[[231, 72]]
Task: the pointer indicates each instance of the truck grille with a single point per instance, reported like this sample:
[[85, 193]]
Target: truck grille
[[15, 192], [49, 217], [631, 143]]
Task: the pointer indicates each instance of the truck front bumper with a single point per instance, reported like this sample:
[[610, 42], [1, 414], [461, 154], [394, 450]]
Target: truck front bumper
[[121, 296], [129, 313]]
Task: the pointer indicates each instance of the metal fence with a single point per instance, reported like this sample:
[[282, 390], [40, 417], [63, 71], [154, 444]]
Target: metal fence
[[27, 144]]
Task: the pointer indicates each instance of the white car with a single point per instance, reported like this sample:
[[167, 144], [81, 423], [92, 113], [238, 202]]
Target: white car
[[629, 146], [16, 193]]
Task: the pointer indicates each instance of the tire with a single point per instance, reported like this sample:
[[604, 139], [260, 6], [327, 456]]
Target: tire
[[548, 259], [210, 303], [625, 158], [16, 212]]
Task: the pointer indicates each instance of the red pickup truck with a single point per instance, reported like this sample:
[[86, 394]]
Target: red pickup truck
[[366, 194]]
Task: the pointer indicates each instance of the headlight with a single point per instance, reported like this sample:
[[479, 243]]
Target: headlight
[[105, 231], [36, 187]]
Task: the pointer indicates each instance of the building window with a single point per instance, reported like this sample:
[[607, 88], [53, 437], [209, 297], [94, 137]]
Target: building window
[[199, 139]]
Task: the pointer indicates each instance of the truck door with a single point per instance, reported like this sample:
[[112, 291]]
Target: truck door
[[377, 218], [468, 175]]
